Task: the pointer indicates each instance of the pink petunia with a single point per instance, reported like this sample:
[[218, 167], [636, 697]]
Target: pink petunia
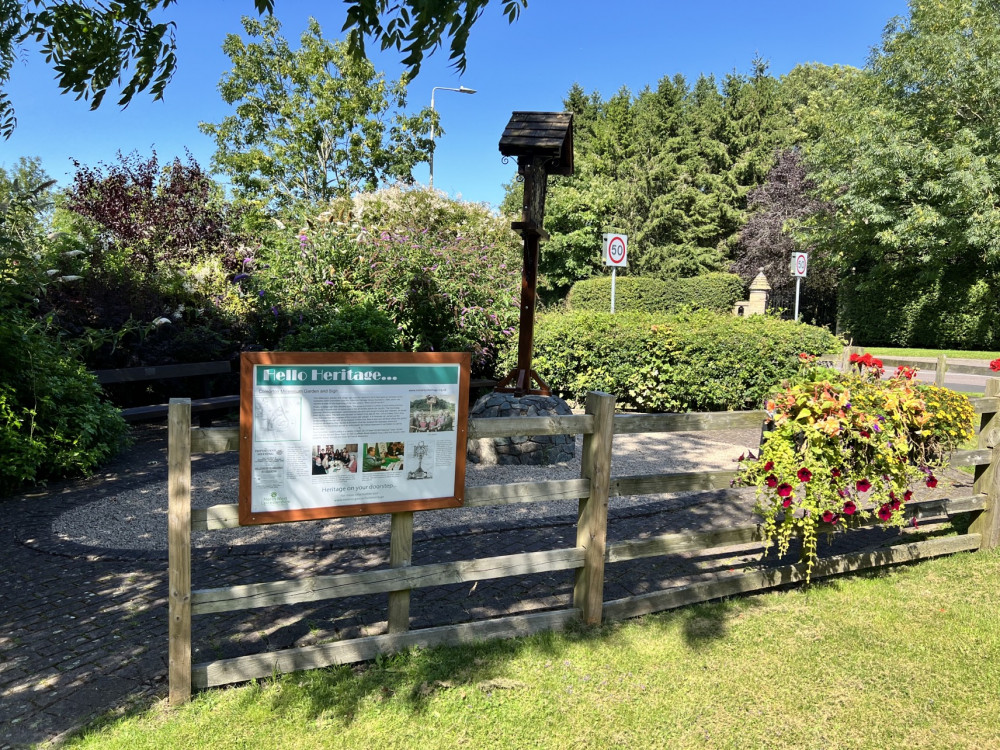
[[769, 466], [835, 473], [932, 481], [771, 481], [850, 508], [829, 517], [804, 474], [907, 495], [863, 485], [884, 513], [786, 502], [784, 489]]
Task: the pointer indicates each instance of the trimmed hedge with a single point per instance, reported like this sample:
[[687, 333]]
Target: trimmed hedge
[[955, 308], [694, 361], [711, 291]]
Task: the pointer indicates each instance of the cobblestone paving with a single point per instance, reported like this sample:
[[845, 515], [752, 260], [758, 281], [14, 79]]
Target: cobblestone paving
[[84, 630]]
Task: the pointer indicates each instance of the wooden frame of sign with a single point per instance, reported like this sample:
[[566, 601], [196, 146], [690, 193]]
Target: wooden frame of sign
[[331, 435]]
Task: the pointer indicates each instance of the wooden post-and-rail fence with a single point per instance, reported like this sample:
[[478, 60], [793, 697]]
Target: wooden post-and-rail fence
[[587, 559]]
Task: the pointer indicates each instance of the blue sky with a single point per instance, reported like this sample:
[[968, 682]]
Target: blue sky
[[527, 66]]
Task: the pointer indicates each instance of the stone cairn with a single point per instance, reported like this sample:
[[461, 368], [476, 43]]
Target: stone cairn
[[538, 450]]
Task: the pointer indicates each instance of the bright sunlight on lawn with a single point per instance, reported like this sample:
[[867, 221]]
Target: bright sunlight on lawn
[[906, 658]]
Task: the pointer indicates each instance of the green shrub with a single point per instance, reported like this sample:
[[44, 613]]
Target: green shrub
[[712, 291], [53, 420], [361, 328], [693, 361]]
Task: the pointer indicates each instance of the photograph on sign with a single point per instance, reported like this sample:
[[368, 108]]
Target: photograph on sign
[[327, 435], [615, 250]]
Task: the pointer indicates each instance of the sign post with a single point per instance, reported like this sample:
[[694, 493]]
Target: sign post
[[800, 263], [615, 254]]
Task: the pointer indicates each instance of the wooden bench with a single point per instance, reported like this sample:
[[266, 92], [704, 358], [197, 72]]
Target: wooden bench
[[202, 406]]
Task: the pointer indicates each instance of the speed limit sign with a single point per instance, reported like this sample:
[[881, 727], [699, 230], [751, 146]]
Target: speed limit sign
[[616, 250], [800, 261]]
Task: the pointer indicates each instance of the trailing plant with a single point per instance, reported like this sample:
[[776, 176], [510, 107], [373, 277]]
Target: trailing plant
[[842, 448]]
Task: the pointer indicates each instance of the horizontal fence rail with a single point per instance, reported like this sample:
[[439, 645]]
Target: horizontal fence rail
[[587, 558]]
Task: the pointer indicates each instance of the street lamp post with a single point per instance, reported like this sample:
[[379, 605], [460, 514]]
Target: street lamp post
[[460, 90]]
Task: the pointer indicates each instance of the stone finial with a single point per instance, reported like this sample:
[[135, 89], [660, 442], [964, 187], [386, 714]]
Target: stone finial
[[760, 283]]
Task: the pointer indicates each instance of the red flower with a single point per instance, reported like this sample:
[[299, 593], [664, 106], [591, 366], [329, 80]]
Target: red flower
[[769, 466], [865, 433], [995, 365], [835, 473], [850, 508], [907, 495], [863, 485], [932, 481], [829, 517], [786, 502], [894, 504], [804, 474], [771, 480], [884, 513], [784, 489]]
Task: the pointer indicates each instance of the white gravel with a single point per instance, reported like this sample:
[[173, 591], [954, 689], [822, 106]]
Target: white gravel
[[135, 517]]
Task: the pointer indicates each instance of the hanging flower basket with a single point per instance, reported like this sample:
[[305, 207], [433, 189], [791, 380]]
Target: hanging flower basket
[[845, 447]]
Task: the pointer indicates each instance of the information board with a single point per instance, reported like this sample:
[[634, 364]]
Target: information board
[[330, 435]]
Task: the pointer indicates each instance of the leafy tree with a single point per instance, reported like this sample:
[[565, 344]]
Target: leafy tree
[[92, 44], [156, 215], [416, 26], [766, 243], [312, 123], [911, 160]]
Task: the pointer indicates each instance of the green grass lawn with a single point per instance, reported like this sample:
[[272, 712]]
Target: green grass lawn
[[905, 658], [885, 351]]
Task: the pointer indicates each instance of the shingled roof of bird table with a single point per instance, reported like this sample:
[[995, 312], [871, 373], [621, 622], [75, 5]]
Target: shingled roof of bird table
[[548, 135]]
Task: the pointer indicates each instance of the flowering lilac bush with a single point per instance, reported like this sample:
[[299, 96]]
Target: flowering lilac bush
[[450, 285]]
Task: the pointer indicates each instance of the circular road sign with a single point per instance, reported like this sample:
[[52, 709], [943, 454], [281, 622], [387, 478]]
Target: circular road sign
[[801, 261], [617, 250]]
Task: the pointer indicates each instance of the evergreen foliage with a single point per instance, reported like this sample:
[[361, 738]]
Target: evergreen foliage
[[671, 167]]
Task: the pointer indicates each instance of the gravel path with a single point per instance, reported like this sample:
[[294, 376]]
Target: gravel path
[[135, 518]]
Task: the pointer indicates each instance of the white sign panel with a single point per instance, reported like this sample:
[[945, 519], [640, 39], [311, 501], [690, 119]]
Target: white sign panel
[[615, 250], [800, 262], [326, 435]]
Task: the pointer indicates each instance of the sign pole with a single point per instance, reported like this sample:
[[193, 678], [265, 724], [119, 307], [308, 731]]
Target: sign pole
[[799, 268], [613, 271], [798, 281]]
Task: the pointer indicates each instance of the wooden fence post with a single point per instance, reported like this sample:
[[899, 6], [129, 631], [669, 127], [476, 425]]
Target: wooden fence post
[[179, 549], [845, 356], [987, 523], [400, 552], [942, 369], [592, 523]]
